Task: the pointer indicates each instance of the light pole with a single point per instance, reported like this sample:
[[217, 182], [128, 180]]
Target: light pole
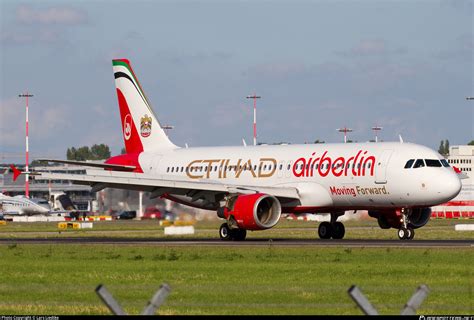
[[27, 176], [375, 129], [345, 130], [254, 97]]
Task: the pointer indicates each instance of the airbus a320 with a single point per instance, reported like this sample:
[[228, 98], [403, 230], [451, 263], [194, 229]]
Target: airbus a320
[[251, 186]]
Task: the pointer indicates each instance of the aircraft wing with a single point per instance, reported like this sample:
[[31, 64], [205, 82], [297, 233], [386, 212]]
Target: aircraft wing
[[158, 185]]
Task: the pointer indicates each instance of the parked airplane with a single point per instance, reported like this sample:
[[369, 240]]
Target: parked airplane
[[252, 186], [20, 205]]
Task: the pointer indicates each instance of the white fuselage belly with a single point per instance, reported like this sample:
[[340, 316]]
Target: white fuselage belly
[[368, 175]]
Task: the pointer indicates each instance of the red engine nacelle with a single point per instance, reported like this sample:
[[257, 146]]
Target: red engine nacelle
[[393, 218], [254, 211]]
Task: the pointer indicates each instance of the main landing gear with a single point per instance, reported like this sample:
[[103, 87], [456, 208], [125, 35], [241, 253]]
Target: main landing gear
[[333, 229], [227, 233], [405, 232]]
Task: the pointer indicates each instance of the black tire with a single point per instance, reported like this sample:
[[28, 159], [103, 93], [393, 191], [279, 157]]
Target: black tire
[[402, 233], [225, 232], [239, 234], [338, 230], [411, 233], [325, 230]]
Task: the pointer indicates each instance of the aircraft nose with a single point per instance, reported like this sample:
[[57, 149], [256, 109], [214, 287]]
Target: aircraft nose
[[451, 185]]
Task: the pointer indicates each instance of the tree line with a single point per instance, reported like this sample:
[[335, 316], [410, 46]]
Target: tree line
[[96, 152]]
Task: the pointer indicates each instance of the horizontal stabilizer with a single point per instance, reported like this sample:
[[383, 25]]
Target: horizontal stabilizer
[[106, 166]]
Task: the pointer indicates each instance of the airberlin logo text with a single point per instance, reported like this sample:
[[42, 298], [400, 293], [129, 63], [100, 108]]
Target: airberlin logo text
[[359, 165]]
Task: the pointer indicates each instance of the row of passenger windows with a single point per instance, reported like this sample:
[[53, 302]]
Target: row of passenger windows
[[459, 161], [418, 163], [264, 167], [215, 168]]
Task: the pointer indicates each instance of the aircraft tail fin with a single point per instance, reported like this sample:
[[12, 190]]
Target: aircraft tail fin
[[16, 172], [140, 127]]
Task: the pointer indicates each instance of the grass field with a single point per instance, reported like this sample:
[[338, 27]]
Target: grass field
[[364, 229], [60, 279]]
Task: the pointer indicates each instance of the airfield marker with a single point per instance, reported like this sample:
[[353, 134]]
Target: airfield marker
[[27, 182]]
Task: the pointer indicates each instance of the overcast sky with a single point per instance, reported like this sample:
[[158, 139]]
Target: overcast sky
[[318, 65]]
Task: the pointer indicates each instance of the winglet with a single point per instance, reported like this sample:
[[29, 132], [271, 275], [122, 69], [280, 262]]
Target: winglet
[[400, 137], [16, 172]]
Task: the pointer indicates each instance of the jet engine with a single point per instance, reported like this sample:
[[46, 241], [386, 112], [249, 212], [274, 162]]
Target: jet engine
[[419, 217], [393, 218], [252, 212]]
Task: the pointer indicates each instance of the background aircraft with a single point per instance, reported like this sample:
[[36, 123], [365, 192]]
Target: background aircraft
[[20, 205]]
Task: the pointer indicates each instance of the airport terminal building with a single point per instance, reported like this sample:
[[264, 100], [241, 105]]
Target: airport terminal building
[[461, 157]]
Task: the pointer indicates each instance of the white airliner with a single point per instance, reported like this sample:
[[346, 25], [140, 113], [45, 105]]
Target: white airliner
[[251, 186], [20, 205]]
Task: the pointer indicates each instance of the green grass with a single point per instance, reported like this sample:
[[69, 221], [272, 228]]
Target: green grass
[[363, 229], [60, 279]]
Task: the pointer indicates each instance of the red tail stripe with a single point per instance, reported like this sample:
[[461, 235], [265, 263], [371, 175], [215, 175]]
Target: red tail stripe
[[133, 144]]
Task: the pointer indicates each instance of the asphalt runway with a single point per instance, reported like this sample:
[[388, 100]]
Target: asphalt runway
[[248, 243]]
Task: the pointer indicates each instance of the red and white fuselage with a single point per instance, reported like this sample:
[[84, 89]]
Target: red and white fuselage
[[250, 186]]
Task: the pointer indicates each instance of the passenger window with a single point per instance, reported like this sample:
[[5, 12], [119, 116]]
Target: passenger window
[[168, 169], [409, 163], [419, 163], [433, 163]]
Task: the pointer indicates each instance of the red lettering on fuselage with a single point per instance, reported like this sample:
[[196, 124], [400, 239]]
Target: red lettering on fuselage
[[324, 165]]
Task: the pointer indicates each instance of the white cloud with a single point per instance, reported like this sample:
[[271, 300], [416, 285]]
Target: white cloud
[[46, 122], [53, 15], [16, 37], [370, 47]]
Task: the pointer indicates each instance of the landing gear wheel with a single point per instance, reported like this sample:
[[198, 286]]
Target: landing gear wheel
[[225, 232], [325, 230], [338, 230], [239, 234], [403, 233], [411, 233]]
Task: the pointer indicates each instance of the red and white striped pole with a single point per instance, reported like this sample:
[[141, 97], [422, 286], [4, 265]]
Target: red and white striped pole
[[254, 97], [27, 176]]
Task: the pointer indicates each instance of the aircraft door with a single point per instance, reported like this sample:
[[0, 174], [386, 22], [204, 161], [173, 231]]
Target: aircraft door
[[381, 167]]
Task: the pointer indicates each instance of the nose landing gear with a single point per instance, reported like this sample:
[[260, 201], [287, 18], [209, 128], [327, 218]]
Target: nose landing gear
[[405, 232]]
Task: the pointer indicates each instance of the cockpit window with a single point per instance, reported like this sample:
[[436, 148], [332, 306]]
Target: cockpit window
[[419, 163], [444, 163], [432, 163], [409, 163]]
